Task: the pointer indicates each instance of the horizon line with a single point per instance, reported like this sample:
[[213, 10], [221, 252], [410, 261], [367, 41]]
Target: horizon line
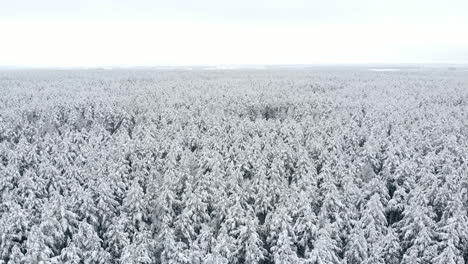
[[236, 65]]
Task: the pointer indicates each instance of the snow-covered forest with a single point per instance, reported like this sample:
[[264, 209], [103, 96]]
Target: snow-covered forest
[[308, 166]]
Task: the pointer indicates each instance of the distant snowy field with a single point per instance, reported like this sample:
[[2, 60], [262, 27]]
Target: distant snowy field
[[267, 165]]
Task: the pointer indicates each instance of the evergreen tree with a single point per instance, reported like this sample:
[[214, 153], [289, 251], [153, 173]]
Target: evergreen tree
[[418, 232], [173, 251], [453, 231], [306, 225], [357, 249], [449, 255], [116, 237], [324, 249], [134, 205], [89, 245], [37, 250], [16, 256], [391, 249], [281, 237], [250, 248], [138, 252], [70, 255], [373, 221], [14, 228]]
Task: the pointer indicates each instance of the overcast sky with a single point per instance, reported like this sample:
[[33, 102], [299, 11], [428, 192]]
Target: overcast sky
[[94, 33]]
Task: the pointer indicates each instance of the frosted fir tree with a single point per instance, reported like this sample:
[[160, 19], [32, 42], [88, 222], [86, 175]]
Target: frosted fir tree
[[350, 189], [15, 257], [173, 251], [373, 221], [306, 224], [283, 250], [134, 205], [259, 188], [396, 204], [204, 241], [71, 254], [52, 235], [332, 206], [375, 257], [449, 255], [116, 237], [375, 186], [276, 181], [28, 189], [59, 223], [138, 252], [193, 215], [233, 210], [430, 187], [87, 208], [303, 167], [324, 249], [14, 227], [281, 237], [250, 246], [453, 231], [37, 250], [106, 203], [89, 244], [215, 258], [224, 249], [418, 232], [184, 228], [390, 247], [166, 203], [357, 249]]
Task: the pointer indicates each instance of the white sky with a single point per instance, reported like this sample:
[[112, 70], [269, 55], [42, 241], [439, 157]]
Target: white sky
[[94, 33]]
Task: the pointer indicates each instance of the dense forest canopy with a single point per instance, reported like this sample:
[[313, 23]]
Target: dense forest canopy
[[234, 166]]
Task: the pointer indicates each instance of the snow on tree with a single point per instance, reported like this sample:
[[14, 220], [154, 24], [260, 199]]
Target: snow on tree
[[134, 206], [70, 255], [172, 250], [450, 254], [250, 246], [16, 256], [324, 249], [14, 229], [89, 244], [390, 247], [37, 250], [242, 166], [138, 252], [373, 221], [357, 249], [117, 236], [453, 231], [281, 237], [418, 232], [306, 225]]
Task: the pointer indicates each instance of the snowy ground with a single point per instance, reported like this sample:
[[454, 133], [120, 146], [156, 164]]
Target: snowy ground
[[313, 165]]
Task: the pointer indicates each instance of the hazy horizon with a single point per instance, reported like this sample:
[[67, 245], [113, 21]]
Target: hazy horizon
[[155, 33]]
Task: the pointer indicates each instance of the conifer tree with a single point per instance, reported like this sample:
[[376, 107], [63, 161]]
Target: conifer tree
[[391, 249], [116, 237], [418, 233], [373, 221], [70, 255], [357, 249], [89, 244], [281, 237], [250, 246], [134, 205], [324, 248]]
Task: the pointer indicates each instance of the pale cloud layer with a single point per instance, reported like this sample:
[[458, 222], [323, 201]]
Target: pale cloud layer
[[130, 33]]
